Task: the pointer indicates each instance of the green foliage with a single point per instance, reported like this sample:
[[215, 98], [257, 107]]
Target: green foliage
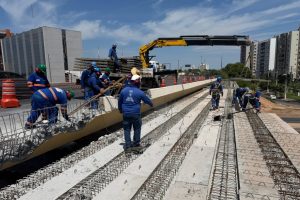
[[237, 70]]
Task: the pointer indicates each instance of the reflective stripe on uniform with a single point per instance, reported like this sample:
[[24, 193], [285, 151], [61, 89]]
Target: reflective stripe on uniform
[[43, 94], [53, 93], [39, 85]]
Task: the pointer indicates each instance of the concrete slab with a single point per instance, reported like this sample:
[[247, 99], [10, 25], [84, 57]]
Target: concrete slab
[[192, 179], [187, 191], [287, 137], [61, 183], [135, 175], [254, 176]]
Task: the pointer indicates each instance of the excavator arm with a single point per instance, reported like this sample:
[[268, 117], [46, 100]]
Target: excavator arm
[[191, 40]]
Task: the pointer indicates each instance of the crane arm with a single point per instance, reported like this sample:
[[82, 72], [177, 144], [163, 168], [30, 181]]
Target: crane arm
[[191, 40]]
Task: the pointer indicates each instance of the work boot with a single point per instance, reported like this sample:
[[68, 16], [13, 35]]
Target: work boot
[[138, 147]]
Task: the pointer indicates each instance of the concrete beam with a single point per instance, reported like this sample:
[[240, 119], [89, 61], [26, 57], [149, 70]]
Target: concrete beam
[[254, 177], [127, 184], [192, 180], [61, 183]]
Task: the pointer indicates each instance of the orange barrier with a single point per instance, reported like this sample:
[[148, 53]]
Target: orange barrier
[[163, 83], [9, 98], [191, 80]]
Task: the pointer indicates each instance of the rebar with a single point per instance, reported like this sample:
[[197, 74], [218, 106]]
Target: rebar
[[46, 173], [225, 175], [100, 178], [160, 179], [285, 175]]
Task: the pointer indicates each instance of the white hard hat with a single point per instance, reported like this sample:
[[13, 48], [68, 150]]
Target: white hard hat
[[135, 77]]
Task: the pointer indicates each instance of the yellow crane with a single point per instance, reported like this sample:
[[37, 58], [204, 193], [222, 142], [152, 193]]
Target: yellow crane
[[191, 40]]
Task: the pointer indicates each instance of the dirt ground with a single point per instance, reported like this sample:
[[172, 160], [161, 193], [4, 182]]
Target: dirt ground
[[283, 111]]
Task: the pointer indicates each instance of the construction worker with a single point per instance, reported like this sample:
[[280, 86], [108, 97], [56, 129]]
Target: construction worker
[[129, 104], [239, 94], [44, 101], [38, 79], [114, 57], [215, 90], [252, 98], [96, 86], [85, 77], [106, 80]]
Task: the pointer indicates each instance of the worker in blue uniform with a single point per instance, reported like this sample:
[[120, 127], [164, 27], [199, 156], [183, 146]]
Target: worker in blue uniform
[[105, 79], [85, 77], [44, 101], [216, 89], [96, 87], [112, 54], [253, 98], [239, 94], [38, 79], [129, 104]]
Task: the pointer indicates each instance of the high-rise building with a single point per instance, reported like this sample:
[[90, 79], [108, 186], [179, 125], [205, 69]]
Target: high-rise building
[[266, 57], [253, 57], [245, 56], [54, 47], [298, 59], [287, 53]]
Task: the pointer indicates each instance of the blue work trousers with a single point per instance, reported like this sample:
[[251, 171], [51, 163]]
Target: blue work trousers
[[39, 105], [94, 103], [129, 121], [253, 101], [215, 101], [86, 93]]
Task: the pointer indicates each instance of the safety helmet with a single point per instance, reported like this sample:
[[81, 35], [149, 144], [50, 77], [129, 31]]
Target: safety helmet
[[247, 89], [219, 79], [114, 45], [97, 71], [107, 69], [136, 80], [70, 94], [42, 68]]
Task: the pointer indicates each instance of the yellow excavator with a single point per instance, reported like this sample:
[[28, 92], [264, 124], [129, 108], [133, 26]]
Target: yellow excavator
[[192, 40]]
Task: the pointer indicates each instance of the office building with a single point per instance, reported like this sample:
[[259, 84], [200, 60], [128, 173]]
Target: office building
[[245, 56], [57, 48]]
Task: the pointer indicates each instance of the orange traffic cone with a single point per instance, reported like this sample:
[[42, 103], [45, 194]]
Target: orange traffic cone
[[163, 83], [191, 79], [184, 80], [175, 81], [9, 98]]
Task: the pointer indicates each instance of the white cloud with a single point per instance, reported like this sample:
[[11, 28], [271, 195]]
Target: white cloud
[[89, 29]]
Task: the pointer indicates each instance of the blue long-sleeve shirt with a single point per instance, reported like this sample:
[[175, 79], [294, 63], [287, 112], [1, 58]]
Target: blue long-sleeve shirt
[[240, 92], [112, 54], [95, 83], [130, 100], [85, 77], [56, 96], [37, 81]]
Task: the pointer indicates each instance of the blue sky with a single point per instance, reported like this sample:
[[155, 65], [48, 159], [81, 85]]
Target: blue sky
[[133, 23]]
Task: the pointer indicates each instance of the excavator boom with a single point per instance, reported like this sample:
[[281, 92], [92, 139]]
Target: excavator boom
[[192, 40]]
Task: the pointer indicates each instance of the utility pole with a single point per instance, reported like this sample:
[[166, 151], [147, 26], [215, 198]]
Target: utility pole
[[49, 68], [177, 65], [221, 62]]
